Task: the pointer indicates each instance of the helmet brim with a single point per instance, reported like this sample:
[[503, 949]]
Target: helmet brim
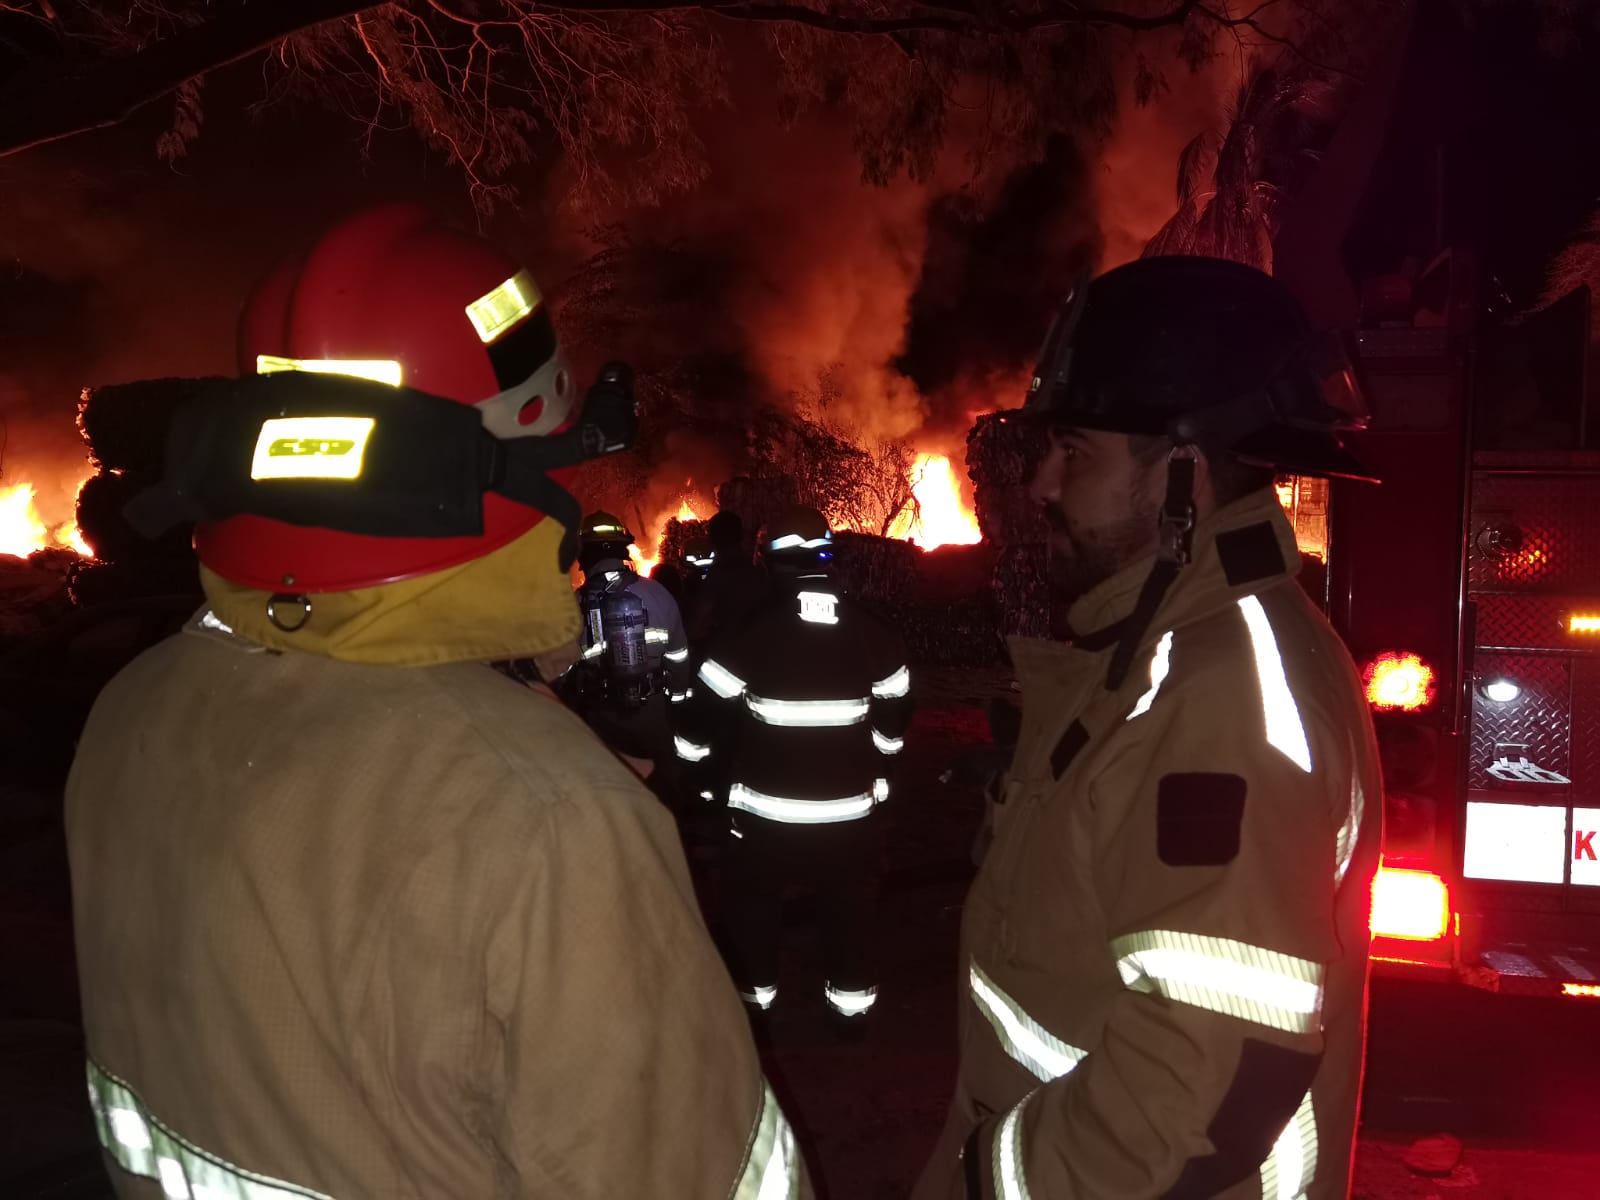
[[1303, 452]]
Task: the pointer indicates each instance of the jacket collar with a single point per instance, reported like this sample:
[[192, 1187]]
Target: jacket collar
[[1240, 550]]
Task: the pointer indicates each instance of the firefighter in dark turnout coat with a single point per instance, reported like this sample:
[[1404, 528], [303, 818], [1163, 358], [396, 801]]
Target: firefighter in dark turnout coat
[[794, 725]]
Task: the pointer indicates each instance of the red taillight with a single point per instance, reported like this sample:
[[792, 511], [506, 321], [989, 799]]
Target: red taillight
[[1399, 680], [1581, 989], [1414, 905]]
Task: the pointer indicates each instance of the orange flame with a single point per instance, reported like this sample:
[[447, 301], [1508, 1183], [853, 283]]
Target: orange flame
[[944, 519], [643, 563], [23, 531]]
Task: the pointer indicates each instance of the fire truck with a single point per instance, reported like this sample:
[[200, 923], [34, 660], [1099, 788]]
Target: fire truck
[[1467, 588]]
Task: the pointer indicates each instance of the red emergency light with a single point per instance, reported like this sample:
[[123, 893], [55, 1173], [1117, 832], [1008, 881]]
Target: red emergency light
[[1399, 680], [1411, 905]]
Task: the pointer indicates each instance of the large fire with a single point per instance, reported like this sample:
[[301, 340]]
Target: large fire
[[941, 518], [23, 530], [643, 563]]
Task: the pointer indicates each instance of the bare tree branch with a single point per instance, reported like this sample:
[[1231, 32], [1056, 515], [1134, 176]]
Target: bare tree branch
[[56, 98]]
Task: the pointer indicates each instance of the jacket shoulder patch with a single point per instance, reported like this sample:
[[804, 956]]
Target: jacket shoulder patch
[[1198, 818], [1250, 554]]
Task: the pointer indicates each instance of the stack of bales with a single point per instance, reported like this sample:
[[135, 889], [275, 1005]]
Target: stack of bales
[[1002, 455], [125, 426]]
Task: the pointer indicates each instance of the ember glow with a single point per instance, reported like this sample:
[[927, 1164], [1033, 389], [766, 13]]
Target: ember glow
[[23, 530], [941, 517]]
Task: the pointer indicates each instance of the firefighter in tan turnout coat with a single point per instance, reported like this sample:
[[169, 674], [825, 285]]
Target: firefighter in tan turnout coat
[[1164, 956], [357, 916]]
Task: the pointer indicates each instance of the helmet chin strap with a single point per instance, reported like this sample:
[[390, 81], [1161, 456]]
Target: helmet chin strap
[[1172, 554]]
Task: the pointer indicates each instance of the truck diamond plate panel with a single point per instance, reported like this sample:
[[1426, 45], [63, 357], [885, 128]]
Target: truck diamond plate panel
[[1534, 532], [1534, 622], [1534, 726]]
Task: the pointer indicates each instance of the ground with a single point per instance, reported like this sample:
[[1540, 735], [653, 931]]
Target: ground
[[1515, 1079]]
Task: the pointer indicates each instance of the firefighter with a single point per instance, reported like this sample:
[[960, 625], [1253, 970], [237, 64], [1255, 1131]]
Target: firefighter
[[1164, 954], [735, 587], [634, 657], [355, 914], [794, 726]]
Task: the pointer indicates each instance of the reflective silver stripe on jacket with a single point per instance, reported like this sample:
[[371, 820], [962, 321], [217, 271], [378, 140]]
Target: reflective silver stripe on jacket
[[1234, 978], [1160, 667], [1292, 1165], [144, 1146], [1278, 709], [690, 751], [1345, 843], [1023, 1038], [772, 1165], [808, 714], [1010, 1180], [896, 684], [799, 812], [721, 680]]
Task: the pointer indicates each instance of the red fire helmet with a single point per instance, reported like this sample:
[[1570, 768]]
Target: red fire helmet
[[393, 295]]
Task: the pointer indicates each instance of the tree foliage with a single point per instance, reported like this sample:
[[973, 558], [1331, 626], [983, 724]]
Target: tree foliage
[[616, 86], [1231, 181]]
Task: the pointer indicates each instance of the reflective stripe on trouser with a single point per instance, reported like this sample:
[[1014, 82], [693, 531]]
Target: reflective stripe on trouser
[[1292, 1165], [835, 864], [1234, 978], [1046, 1056], [850, 1002], [762, 996], [144, 1146], [772, 1167]]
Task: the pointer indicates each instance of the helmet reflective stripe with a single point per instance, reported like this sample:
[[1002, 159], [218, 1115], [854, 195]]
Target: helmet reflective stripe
[[799, 812], [808, 714], [379, 370], [850, 1002], [893, 686], [791, 541], [142, 1145], [495, 312]]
